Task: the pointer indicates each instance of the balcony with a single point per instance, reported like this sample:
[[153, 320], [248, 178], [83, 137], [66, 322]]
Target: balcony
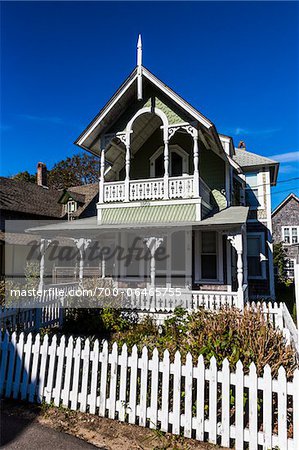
[[182, 187]]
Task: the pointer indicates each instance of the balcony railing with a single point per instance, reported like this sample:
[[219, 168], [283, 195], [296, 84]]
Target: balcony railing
[[154, 189]]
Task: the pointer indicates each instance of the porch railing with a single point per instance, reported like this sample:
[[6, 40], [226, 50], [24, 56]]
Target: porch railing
[[154, 189]]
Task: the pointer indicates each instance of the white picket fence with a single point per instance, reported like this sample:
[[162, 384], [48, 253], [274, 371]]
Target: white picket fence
[[279, 315], [186, 398], [27, 317]]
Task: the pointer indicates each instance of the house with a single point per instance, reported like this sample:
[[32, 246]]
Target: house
[[174, 184], [285, 223], [22, 201]]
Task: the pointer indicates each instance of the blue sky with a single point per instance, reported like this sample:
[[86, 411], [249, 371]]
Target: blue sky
[[237, 62]]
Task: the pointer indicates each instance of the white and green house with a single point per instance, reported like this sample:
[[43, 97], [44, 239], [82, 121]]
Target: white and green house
[[168, 176]]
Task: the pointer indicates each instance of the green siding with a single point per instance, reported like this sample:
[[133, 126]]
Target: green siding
[[212, 171], [149, 214]]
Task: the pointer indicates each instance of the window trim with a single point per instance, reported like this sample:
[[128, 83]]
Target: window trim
[[172, 148], [263, 258], [286, 269], [260, 188], [197, 260], [290, 228]]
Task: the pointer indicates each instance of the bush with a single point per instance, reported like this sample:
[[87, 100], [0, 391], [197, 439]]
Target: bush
[[230, 334]]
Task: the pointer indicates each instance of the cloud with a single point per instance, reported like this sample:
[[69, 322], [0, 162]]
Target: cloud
[[246, 132], [286, 157], [49, 119]]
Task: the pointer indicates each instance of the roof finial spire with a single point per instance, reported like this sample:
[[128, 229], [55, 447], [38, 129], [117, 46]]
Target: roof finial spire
[[139, 51], [139, 68]]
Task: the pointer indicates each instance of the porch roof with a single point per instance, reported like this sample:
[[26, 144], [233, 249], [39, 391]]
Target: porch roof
[[232, 217]]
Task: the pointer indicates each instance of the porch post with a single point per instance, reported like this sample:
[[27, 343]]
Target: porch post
[[245, 255], [237, 242], [44, 244], [166, 168], [239, 249], [195, 163], [102, 171], [153, 244], [127, 179], [103, 266], [82, 244]]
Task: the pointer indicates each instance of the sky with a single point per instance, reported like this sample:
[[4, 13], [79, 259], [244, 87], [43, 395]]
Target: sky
[[236, 62]]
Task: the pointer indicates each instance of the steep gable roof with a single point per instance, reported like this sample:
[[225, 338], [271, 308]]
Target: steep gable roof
[[124, 97], [284, 202]]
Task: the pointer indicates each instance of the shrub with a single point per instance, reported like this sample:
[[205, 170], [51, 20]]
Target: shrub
[[247, 336]]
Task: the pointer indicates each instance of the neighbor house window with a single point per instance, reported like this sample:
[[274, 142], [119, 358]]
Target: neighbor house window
[[255, 255], [209, 255], [251, 190], [290, 268], [290, 235]]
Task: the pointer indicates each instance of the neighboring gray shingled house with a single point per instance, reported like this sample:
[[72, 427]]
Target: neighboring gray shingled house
[[285, 223]]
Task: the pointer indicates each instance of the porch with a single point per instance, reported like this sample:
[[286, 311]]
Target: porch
[[158, 266], [182, 187]]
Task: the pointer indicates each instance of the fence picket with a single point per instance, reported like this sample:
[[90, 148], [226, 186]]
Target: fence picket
[[252, 407], [103, 385], [27, 350], [267, 407], [200, 400], [94, 377], [19, 362], [75, 385], [60, 367], [34, 373], [154, 389], [282, 409], [143, 387], [165, 390], [188, 395], [65, 393], [113, 381], [176, 410], [44, 357], [85, 376], [11, 365], [225, 404], [213, 401], [239, 395], [133, 385], [123, 383], [52, 361]]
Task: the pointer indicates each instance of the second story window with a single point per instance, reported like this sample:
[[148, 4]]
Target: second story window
[[290, 235], [252, 191]]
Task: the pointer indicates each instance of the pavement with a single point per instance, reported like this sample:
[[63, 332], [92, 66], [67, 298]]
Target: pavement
[[19, 433]]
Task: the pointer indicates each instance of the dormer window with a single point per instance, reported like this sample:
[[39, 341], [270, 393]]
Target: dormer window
[[71, 206]]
